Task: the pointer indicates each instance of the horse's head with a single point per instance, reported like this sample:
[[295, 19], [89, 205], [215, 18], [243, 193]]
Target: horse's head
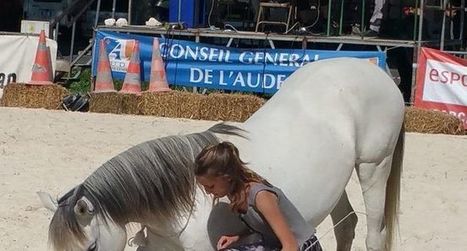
[[76, 226]]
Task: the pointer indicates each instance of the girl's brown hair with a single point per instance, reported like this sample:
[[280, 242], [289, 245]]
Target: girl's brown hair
[[224, 159]]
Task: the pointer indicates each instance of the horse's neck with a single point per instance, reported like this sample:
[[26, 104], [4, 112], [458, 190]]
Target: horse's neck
[[162, 238], [189, 234], [159, 237], [195, 235]]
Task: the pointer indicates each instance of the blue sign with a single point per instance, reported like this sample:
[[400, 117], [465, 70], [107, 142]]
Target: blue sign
[[203, 65]]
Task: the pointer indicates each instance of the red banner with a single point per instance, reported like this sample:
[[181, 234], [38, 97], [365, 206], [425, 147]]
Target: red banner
[[442, 83]]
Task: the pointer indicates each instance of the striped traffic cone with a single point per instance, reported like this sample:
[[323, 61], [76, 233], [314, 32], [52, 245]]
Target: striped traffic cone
[[42, 68], [104, 82], [132, 81], [158, 79]]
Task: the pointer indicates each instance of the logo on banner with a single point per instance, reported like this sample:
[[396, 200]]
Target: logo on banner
[[120, 51], [442, 83], [374, 60], [445, 83]]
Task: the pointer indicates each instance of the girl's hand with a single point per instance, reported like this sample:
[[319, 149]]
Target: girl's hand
[[291, 248], [226, 241]]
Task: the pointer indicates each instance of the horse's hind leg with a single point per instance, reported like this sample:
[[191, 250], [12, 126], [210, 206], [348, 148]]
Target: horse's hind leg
[[345, 231], [373, 178]]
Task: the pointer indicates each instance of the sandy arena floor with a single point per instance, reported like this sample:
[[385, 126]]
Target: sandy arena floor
[[54, 150]]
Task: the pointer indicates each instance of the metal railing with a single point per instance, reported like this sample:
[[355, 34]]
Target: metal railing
[[69, 17], [444, 6]]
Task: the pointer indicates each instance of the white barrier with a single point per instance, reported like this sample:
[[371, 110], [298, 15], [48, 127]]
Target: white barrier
[[17, 54]]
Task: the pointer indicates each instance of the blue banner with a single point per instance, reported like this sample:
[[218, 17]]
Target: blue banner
[[216, 67]]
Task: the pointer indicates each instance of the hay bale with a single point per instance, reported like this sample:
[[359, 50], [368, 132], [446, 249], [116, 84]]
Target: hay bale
[[130, 104], [173, 104], [106, 102], [33, 96], [179, 104], [230, 107], [159, 104], [427, 121], [191, 105]]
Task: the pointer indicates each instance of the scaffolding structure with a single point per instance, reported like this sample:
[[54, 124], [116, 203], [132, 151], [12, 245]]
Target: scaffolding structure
[[454, 44]]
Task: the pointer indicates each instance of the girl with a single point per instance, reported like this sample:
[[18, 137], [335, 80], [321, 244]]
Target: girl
[[262, 207]]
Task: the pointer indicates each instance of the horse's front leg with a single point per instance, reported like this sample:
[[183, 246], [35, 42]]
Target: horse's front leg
[[345, 231]]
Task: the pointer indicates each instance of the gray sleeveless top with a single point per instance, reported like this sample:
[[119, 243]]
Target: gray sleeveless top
[[256, 222]]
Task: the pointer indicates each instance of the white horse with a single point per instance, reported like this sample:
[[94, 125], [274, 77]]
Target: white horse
[[329, 118]]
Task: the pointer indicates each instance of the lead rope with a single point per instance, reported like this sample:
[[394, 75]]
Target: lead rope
[[332, 228], [187, 221]]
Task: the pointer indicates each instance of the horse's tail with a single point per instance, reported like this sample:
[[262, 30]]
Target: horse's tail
[[393, 190]]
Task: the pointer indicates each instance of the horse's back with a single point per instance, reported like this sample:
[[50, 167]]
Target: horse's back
[[339, 85], [353, 97]]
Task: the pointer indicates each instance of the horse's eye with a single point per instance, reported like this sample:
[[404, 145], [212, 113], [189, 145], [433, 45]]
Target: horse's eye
[[93, 247]]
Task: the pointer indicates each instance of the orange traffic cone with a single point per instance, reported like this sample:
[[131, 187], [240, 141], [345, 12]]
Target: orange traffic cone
[[132, 81], [104, 82], [42, 68], [158, 79]]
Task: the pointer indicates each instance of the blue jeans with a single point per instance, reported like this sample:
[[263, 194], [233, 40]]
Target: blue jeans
[[311, 244]]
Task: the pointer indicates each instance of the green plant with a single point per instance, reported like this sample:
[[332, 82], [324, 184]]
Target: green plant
[[83, 84]]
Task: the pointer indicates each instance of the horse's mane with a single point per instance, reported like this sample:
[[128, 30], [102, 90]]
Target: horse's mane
[[154, 178]]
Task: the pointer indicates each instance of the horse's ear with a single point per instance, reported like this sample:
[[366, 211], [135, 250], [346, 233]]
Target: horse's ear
[[84, 211], [47, 201]]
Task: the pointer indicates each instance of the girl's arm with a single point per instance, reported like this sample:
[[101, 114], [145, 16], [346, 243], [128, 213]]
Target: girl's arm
[[268, 206]]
